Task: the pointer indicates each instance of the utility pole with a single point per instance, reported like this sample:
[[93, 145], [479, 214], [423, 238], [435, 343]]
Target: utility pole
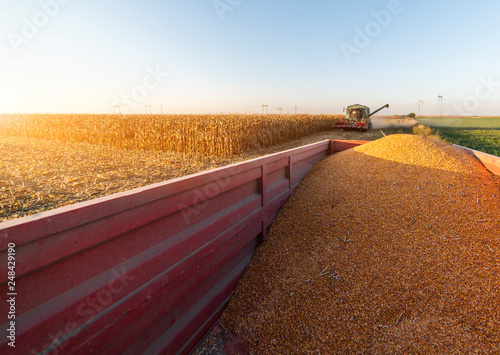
[[162, 109], [295, 109], [440, 106], [146, 107], [421, 108], [264, 106], [116, 108]]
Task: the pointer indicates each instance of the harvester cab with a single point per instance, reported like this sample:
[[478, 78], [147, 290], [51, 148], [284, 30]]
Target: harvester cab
[[358, 117]]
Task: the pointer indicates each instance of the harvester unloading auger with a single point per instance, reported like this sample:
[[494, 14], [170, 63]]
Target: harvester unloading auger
[[358, 117]]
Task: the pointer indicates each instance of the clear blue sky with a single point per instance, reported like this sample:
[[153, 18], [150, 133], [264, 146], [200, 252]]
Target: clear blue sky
[[86, 56]]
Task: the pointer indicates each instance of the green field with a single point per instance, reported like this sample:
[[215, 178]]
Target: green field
[[461, 122], [479, 133]]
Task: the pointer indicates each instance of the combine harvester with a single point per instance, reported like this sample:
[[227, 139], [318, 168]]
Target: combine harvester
[[148, 270], [358, 117]]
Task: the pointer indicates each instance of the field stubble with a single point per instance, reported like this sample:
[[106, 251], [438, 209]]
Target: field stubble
[[40, 174]]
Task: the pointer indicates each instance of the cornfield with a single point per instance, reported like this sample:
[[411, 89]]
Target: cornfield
[[213, 135]]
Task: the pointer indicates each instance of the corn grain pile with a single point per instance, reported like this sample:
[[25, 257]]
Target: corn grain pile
[[391, 247]]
